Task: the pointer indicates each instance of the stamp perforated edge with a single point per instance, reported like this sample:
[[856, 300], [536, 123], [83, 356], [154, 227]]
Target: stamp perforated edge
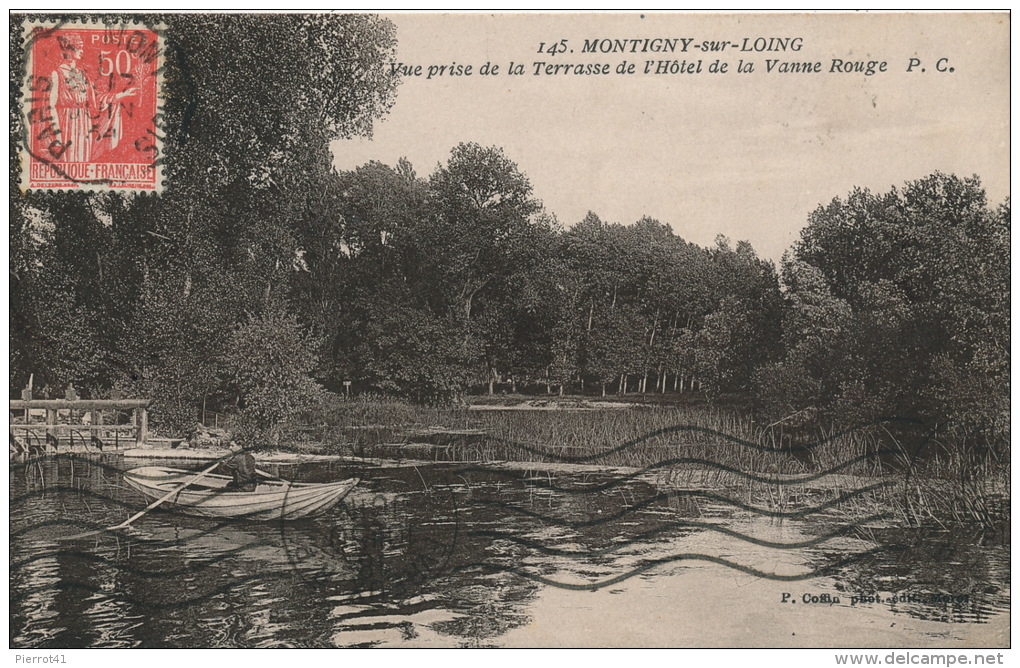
[[29, 28]]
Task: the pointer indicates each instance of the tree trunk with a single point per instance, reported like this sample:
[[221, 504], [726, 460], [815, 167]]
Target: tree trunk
[[651, 342], [603, 390], [676, 380], [623, 383], [468, 295], [561, 389]]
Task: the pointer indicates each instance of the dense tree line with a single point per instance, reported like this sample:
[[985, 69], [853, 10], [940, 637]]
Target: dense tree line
[[261, 276], [459, 280]]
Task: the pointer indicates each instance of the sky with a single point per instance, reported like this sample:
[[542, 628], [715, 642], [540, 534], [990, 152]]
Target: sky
[[746, 155]]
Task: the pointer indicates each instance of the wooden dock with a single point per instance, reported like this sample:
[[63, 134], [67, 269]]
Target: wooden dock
[[50, 426]]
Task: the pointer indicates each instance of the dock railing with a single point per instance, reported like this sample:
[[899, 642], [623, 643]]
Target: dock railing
[[95, 417]]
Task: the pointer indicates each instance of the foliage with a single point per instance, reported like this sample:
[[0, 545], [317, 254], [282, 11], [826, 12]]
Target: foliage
[[260, 272], [898, 304], [141, 293], [267, 361]]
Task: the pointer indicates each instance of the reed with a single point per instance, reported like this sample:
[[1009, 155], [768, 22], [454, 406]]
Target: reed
[[941, 484]]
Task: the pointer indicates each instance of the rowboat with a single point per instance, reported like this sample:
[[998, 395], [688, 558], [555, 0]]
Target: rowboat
[[210, 496]]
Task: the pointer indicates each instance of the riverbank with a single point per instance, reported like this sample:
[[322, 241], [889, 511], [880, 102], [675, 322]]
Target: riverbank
[[684, 446]]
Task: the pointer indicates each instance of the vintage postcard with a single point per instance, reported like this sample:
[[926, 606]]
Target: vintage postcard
[[544, 330]]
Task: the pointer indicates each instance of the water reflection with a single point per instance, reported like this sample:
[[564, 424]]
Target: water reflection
[[941, 576], [417, 556]]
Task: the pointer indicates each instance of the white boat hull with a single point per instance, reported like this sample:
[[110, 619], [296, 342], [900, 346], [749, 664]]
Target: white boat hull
[[210, 496]]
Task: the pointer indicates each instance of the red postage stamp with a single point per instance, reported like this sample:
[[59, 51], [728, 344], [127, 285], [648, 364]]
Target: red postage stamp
[[91, 107]]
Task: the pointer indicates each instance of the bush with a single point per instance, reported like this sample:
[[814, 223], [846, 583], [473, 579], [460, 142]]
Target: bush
[[268, 362]]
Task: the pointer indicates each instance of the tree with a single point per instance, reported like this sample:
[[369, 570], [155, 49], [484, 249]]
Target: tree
[[172, 352], [357, 256], [480, 233], [267, 360], [899, 305], [120, 283], [399, 349], [479, 227]]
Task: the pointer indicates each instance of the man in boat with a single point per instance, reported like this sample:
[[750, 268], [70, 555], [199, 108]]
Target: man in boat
[[240, 467]]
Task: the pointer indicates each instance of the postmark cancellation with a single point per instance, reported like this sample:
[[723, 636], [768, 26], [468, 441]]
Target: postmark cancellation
[[91, 107]]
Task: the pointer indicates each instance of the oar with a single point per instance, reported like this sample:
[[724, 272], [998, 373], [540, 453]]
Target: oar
[[127, 522]]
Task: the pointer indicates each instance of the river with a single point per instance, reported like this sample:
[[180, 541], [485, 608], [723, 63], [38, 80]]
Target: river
[[451, 555]]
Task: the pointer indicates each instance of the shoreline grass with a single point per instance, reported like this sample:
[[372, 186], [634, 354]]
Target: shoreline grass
[[931, 487]]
